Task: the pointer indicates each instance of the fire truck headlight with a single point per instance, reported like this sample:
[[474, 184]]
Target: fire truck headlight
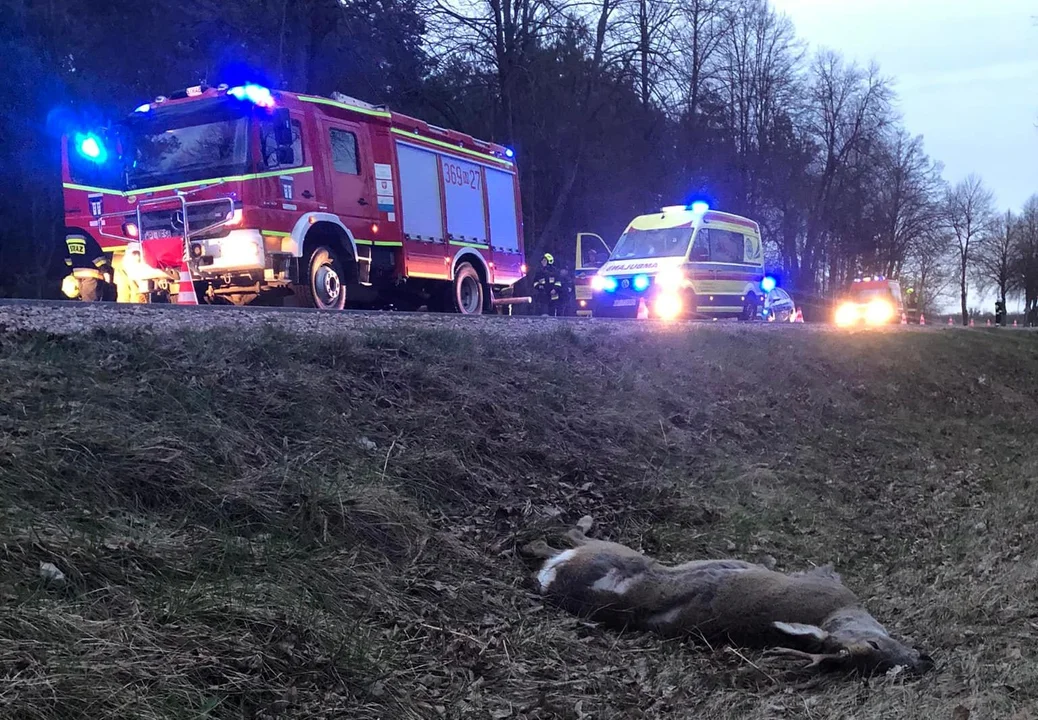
[[237, 250], [879, 312], [670, 279], [846, 314], [668, 306], [603, 282]]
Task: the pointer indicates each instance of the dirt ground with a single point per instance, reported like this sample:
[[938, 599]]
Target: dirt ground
[[286, 515]]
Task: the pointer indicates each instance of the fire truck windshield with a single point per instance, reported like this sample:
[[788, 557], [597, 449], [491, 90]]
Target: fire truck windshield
[[186, 148], [661, 242], [864, 294]]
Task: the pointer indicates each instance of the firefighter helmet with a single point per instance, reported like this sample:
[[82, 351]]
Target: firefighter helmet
[[70, 286], [550, 258]]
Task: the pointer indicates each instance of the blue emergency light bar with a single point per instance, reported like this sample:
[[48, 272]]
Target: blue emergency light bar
[[698, 207], [90, 146], [255, 94]]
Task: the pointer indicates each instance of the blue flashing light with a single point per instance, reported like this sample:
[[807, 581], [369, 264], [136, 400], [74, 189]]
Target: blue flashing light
[[699, 207], [768, 284], [255, 94], [144, 108], [609, 284], [509, 153], [641, 282], [91, 148]]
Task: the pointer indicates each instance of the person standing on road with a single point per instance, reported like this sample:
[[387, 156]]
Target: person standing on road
[[1000, 313], [566, 293], [546, 286], [92, 271]]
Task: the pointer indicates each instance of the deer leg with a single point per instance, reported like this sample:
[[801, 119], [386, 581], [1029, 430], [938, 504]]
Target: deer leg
[[539, 549], [815, 659]]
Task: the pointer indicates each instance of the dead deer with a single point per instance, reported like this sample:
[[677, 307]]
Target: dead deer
[[743, 603]]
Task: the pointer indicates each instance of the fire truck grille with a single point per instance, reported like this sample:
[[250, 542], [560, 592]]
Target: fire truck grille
[[170, 222]]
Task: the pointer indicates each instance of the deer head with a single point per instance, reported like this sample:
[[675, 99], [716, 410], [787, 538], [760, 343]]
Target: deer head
[[850, 638]]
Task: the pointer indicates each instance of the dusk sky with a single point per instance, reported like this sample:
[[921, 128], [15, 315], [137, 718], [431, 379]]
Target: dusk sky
[[966, 74]]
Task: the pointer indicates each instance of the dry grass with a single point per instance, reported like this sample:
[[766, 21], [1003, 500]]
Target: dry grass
[[256, 524]]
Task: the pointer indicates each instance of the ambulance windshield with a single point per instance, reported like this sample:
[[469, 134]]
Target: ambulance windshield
[[661, 242], [208, 143]]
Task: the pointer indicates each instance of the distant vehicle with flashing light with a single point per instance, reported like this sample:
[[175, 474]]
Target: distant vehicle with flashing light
[[685, 261], [871, 301], [242, 193], [777, 304]]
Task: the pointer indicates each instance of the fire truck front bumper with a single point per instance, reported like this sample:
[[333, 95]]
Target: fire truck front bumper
[[238, 252]]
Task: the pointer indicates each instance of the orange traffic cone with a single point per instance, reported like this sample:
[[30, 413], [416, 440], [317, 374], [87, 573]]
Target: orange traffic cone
[[186, 290], [989, 322], [971, 322], [1014, 323], [800, 315], [922, 319], [904, 319], [950, 322], [643, 310]]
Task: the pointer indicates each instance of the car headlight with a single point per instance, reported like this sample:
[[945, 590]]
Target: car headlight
[[670, 279], [878, 312], [847, 314], [603, 282]]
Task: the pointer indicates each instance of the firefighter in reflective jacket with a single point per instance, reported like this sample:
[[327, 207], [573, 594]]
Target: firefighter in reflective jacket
[[547, 286], [91, 273]]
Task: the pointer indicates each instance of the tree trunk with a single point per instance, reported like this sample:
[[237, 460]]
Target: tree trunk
[[962, 288]]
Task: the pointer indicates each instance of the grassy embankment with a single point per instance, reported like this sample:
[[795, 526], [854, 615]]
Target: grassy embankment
[[257, 524]]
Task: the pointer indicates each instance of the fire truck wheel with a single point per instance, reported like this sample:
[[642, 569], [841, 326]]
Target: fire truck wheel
[[324, 288], [468, 291]]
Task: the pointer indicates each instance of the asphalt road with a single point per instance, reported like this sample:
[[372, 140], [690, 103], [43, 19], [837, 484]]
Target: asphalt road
[[67, 316]]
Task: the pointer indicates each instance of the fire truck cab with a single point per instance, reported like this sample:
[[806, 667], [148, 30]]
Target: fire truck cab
[[683, 262], [244, 192], [872, 300]]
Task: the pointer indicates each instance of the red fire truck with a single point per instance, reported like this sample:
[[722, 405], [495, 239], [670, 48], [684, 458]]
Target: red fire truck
[[237, 193]]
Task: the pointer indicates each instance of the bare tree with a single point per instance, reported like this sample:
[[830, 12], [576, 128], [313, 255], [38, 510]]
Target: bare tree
[[905, 200], [759, 60], [700, 30], [993, 267], [1025, 257], [495, 34], [968, 213], [648, 30], [849, 111], [930, 268]]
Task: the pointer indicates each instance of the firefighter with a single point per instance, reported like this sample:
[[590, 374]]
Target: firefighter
[[92, 272], [547, 286], [1000, 313]]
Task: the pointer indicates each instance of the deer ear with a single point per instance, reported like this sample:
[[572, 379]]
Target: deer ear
[[801, 630]]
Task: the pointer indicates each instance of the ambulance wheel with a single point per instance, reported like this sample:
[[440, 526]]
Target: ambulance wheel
[[324, 288], [468, 291]]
